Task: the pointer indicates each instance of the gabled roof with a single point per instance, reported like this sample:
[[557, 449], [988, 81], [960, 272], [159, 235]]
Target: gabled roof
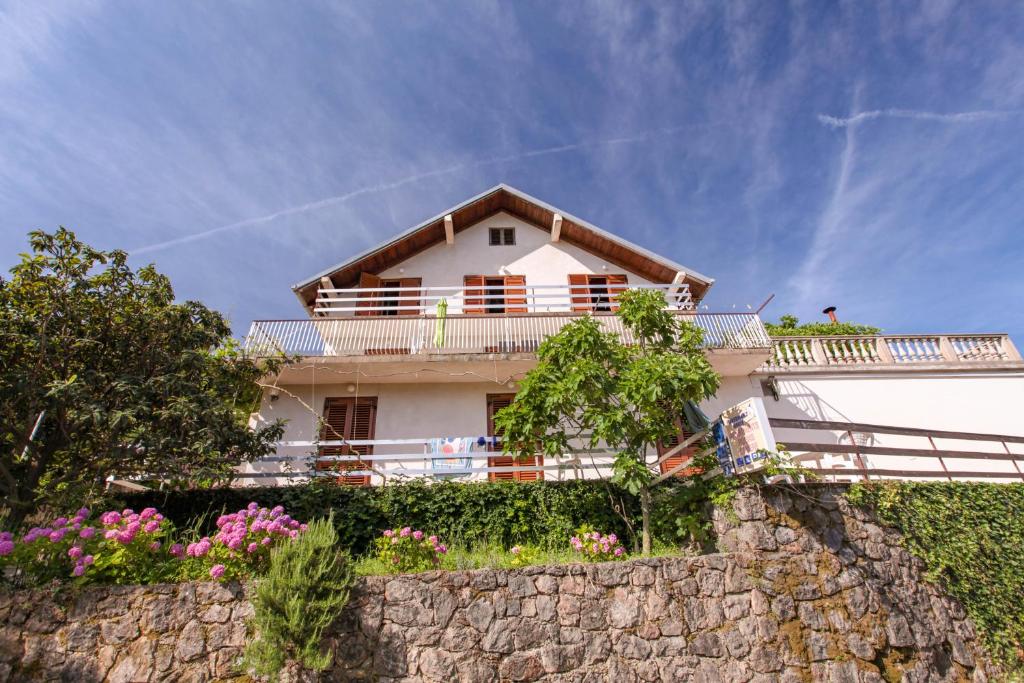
[[574, 231]]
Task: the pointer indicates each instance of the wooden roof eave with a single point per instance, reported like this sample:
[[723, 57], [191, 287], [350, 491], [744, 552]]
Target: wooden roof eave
[[503, 198]]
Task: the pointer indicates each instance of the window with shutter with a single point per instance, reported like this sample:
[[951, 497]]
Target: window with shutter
[[367, 300], [494, 294], [473, 301], [596, 292], [348, 419], [496, 402]]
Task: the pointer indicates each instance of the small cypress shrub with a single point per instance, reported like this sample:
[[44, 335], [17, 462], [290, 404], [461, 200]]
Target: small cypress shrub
[[305, 588]]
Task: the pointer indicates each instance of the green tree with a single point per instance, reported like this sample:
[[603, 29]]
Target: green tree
[[303, 592], [102, 373], [789, 326], [590, 387]]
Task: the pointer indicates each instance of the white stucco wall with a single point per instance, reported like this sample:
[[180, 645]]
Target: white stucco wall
[[534, 255], [986, 403], [404, 411]]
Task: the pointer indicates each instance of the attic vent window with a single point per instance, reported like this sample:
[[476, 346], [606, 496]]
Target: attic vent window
[[502, 236]]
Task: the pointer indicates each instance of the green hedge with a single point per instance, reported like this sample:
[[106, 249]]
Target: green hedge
[[971, 538], [509, 513]]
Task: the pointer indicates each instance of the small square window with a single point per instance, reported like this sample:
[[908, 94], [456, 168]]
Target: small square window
[[502, 236]]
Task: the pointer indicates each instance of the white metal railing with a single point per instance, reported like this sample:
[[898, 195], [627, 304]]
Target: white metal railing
[[919, 350], [397, 301], [381, 460], [509, 333]]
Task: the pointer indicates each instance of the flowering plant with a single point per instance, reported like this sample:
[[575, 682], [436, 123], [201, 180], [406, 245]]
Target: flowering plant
[[408, 550], [241, 547], [120, 547], [595, 546], [129, 547]]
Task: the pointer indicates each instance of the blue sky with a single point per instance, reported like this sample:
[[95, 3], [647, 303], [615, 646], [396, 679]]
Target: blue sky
[[864, 155]]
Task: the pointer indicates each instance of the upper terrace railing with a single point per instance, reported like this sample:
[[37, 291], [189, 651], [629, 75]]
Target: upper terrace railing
[[484, 298], [431, 334], [917, 350]]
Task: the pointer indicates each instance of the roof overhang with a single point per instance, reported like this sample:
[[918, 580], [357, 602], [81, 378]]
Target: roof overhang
[[503, 198]]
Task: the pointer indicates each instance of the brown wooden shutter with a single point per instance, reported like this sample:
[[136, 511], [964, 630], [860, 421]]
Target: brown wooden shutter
[[616, 285], [406, 300], [579, 292], [494, 404], [473, 301], [348, 419], [680, 457], [368, 299], [515, 294]]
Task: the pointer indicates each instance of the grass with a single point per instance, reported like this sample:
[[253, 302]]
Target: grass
[[494, 556]]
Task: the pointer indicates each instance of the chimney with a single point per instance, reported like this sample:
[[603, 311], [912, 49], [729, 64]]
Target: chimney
[[831, 313]]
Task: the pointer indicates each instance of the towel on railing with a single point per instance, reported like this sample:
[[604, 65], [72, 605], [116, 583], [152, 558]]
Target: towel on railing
[[443, 452]]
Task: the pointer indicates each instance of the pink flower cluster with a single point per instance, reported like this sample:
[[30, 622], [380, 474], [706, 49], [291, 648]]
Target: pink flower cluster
[[243, 540], [594, 545], [123, 527]]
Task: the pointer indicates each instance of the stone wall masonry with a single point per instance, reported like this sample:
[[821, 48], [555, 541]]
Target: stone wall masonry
[[807, 589]]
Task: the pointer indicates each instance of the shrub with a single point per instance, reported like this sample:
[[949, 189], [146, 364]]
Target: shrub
[[243, 542], [137, 548], [405, 550], [120, 548], [305, 588], [541, 513]]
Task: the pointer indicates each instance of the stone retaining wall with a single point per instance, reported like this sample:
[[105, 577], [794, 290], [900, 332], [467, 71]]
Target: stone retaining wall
[[807, 589]]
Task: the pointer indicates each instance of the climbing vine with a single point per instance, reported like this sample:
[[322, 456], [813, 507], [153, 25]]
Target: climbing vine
[[971, 539]]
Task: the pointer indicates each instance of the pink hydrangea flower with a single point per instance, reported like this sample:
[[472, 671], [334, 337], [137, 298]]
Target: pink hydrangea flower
[[217, 571], [251, 548], [418, 535], [74, 552], [78, 570], [151, 526], [176, 550], [388, 533], [87, 560], [6, 547], [265, 541], [515, 550], [619, 551], [405, 532]]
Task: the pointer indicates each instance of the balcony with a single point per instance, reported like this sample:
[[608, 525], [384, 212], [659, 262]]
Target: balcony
[[890, 352], [510, 320]]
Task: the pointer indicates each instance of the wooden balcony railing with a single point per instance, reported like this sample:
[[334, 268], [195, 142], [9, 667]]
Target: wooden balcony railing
[[917, 350], [460, 334]]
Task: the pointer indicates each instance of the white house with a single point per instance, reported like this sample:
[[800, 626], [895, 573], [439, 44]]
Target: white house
[[407, 350]]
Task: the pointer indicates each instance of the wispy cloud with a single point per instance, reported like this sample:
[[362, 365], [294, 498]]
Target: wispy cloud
[[382, 187], [957, 117]]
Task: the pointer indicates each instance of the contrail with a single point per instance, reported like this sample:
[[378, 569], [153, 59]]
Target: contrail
[[960, 117], [381, 187]]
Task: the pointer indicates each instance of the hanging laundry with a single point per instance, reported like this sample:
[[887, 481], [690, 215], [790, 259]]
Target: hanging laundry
[[445, 454]]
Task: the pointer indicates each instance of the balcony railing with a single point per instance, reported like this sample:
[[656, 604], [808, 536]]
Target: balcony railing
[[917, 350], [461, 334], [483, 298]]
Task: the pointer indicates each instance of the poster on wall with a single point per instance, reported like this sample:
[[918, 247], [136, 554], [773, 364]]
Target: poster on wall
[[743, 437]]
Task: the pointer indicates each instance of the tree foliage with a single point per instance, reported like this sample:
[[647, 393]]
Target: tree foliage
[[305, 588], [590, 388], [789, 326], [102, 373]]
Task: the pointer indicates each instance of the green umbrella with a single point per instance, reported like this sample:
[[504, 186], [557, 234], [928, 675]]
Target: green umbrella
[[442, 313]]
